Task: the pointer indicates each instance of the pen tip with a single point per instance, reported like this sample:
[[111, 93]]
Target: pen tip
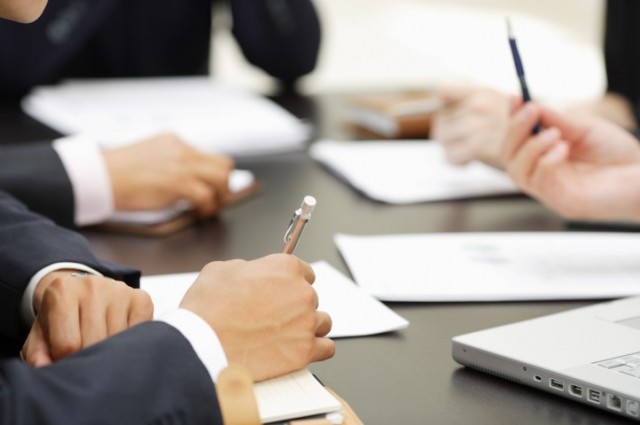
[[509, 29]]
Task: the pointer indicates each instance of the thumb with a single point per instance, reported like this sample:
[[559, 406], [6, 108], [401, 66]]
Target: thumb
[[35, 350]]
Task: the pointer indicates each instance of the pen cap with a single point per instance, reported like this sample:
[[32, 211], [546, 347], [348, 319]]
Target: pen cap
[[307, 206]]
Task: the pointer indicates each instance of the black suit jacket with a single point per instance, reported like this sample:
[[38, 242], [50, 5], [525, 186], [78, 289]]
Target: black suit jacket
[[148, 374], [123, 38], [34, 173], [28, 243]]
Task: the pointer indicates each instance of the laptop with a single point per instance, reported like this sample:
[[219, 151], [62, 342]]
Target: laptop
[[590, 355]]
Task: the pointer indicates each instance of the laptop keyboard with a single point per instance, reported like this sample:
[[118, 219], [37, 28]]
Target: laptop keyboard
[[629, 364]]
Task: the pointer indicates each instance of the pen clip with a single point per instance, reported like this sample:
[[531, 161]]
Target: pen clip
[[287, 234]]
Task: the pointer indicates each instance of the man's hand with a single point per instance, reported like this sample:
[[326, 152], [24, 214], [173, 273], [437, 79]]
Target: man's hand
[[159, 171], [264, 312], [74, 312]]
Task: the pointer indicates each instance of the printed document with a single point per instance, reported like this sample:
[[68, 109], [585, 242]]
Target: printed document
[[402, 172], [208, 115], [494, 266]]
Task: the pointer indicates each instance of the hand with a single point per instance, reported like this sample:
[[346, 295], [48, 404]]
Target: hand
[[76, 312], [473, 124], [587, 170], [264, 313], [159, 171]]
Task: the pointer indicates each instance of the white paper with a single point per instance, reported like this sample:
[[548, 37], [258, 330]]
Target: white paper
[[209, 116], [352, 310], [238, 181], [494, 266], [401, 172]]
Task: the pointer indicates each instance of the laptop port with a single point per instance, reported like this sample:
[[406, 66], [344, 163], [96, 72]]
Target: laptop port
[[614, 402], [558, 385], [594, 396], [575, 390]]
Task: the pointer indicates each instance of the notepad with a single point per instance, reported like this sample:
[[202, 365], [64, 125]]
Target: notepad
[[208, 115], [402, 172], [295, 395], [494, 266], [353, 311]]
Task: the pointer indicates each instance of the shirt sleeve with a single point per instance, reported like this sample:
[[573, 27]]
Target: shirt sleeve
[[28, 312], [202, 337], [89, 176]]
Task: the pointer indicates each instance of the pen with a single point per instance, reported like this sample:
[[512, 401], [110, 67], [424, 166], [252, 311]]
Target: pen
[[520, 70], [300, 218]]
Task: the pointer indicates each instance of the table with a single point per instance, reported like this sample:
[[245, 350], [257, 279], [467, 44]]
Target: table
[[407, 377]]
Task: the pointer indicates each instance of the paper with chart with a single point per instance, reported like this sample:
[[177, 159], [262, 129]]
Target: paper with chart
[[208, 115], [401, 172], [494, 266], [352, 310]]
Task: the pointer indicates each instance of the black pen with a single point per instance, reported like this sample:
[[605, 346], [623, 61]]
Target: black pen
[[526, 97], [300, 218]]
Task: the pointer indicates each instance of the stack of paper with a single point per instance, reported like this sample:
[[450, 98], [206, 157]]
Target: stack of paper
[[401, 172], [494, 266], [211, 117]]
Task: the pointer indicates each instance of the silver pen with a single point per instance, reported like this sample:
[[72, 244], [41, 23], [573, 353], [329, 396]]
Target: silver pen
[[300, 218]]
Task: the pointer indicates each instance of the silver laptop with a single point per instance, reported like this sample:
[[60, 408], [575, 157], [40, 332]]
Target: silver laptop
[[590, 355]]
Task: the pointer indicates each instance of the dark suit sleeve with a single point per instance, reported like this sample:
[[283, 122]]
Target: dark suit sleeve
[[34, 174], [30, 242], [148, 374], [280, 36], [622, 60]]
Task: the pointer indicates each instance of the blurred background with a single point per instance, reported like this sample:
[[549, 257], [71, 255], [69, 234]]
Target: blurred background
[[374, 45]]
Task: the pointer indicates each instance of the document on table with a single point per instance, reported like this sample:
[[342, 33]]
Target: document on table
[[208, 115], [353, 311], [239, 181], [494, 266], [402, 172]]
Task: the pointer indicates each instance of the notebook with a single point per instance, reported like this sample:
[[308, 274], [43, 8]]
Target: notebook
[[590, 355]]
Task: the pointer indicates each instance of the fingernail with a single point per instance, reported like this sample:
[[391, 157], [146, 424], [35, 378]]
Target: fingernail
[[549, 134], [525, 112]]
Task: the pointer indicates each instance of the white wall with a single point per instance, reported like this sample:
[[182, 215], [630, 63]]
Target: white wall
[[381, 44]]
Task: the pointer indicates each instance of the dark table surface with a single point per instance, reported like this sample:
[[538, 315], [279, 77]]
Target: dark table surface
[[406, 377]]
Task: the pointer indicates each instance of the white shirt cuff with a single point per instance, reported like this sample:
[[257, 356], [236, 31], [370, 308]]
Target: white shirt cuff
[[26, 307], [203, 339], [87, 170]]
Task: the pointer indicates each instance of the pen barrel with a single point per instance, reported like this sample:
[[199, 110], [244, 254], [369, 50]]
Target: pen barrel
[[294, 235]]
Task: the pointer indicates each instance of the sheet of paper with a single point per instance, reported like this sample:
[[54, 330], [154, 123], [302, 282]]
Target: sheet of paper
[[294, 395], [400, 172], [353, 311], [210, 116], [494, 266], [238, 180]]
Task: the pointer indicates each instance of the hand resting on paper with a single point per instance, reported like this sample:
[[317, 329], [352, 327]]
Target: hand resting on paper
[[157, 172], [264, 313]]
